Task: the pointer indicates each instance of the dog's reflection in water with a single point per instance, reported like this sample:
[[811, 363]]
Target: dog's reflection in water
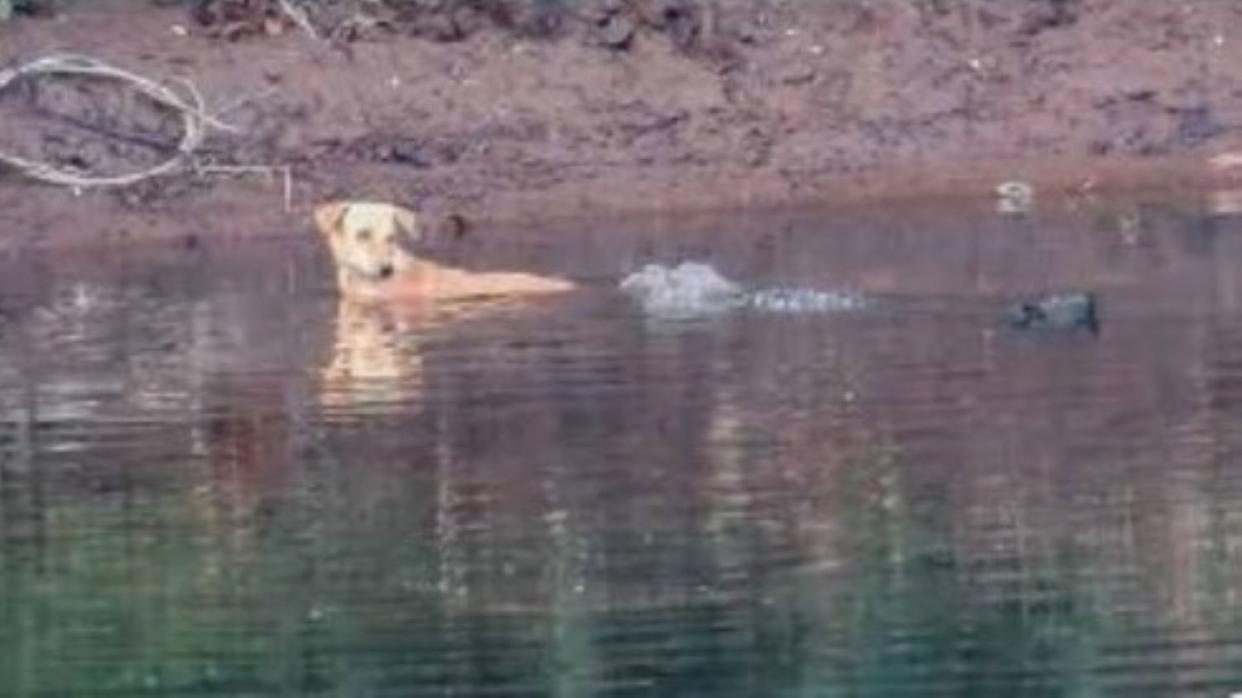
[[378, 347], [375, 358]]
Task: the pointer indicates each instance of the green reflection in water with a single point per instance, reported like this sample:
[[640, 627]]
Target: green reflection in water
[[173, 591]]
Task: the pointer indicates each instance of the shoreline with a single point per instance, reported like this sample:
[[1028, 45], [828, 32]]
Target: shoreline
[[506, 131], [232, 211]]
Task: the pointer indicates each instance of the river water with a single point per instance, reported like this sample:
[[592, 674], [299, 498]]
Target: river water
[[216, 479]]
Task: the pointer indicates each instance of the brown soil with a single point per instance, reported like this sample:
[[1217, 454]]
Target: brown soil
[[763, 102]]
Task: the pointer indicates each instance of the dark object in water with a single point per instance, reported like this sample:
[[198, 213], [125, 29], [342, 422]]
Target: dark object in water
[[1067, 311], [454, 226]]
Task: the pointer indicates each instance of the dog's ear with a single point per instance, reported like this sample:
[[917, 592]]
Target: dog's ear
[[328, 217], [407, 222]]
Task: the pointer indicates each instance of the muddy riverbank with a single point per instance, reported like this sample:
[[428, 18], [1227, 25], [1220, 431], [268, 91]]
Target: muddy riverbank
[[757, 104]]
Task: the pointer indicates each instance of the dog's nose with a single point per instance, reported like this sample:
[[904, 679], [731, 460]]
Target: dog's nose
[[385, 271]]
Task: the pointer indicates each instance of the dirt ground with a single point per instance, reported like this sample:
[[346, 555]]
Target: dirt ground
[[609, 110]]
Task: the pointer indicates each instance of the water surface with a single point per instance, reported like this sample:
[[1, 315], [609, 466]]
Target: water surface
[[215, 479]]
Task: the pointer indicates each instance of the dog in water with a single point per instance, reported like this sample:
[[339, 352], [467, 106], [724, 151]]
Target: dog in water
[[369, 245], [389, 301]]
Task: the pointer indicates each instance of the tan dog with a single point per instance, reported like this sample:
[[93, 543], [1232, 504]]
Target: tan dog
[[367, 244], [376, 355]]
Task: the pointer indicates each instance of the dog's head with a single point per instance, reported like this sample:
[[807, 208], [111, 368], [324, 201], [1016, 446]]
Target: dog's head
[[367, 239]]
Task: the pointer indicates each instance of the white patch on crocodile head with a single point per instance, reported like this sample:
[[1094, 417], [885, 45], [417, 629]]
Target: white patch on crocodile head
[[689, 289]]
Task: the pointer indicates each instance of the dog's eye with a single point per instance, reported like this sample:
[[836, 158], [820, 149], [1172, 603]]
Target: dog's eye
[[364, 235]]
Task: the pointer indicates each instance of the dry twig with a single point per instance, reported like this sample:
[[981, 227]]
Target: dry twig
[[195, 119], [195, 122], [298, 16]]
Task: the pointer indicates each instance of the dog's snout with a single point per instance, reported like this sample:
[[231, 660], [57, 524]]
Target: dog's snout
[[386, 271]]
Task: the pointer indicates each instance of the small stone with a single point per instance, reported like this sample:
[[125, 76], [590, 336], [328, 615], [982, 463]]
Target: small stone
[[616, 33], [660, 14], [798, 75], [1015, 197]]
